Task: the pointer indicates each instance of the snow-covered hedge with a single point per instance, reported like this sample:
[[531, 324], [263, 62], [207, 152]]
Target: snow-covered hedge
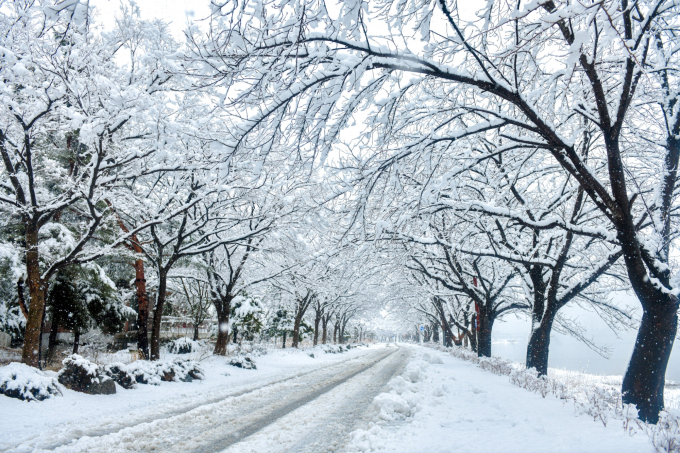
[[27, 383], [245, 362]]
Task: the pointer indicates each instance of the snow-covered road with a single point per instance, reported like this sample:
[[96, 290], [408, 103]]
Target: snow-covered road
[[294, 408], [386, 398]]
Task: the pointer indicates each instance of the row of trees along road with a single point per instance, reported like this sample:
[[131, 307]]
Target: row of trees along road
[[426, 157], [581, 96]]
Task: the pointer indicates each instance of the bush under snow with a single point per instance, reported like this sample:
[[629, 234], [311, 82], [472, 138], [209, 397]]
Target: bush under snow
[[81, 375], [244, 362], [183, 345], [27, 383], [145, 372]]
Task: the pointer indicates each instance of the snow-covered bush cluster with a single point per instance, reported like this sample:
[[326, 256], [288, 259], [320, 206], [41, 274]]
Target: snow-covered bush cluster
[[27, 383], [243, 361]]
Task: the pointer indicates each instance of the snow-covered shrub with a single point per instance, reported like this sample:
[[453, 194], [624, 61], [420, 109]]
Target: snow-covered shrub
[[143, 372], [665, 434], [183, 345], [332, 348], [495, 365], [152, 373], [27, 383], [244, 362], [179, 370], [117, 372], [81, 375]]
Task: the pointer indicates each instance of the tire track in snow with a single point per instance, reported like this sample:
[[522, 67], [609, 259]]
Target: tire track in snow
[[276, 416]]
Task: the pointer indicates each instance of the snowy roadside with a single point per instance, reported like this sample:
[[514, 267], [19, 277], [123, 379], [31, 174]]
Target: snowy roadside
[[441, 403], [73, 415]]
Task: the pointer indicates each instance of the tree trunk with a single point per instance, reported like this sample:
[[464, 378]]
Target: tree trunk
[[157, 317], [296, 332], [222, 328], [317, 321], [324, 333], [484, 335], [195, 332], [435, 332], [76, 341], [643, 383], [52, 343], [335, 333], [142, 309], [233, 340], [284, 340], [30, 354], [538, 348]]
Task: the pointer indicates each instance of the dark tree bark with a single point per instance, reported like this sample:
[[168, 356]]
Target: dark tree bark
[[223, 313], [36, 290], [484, 334], [158, 317], [52, 342], [142, 307], [539, 345], [76, 341]]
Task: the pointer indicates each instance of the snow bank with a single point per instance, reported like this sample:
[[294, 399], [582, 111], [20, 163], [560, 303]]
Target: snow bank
[[27, 383]]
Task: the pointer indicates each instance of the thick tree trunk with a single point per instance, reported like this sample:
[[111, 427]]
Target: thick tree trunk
[[195, 332], [30, 354], [222, 329], [157, 317], [142, 309], [435, 333], [643, 383], [538, 348], [484, 335], [76, 341], [324, 333], [284, 340]]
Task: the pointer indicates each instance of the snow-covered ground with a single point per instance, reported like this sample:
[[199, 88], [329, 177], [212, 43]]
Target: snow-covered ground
[[456, 406], [383, 398]]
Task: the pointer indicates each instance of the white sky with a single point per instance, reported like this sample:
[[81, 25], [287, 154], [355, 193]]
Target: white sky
[[177, 12]]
